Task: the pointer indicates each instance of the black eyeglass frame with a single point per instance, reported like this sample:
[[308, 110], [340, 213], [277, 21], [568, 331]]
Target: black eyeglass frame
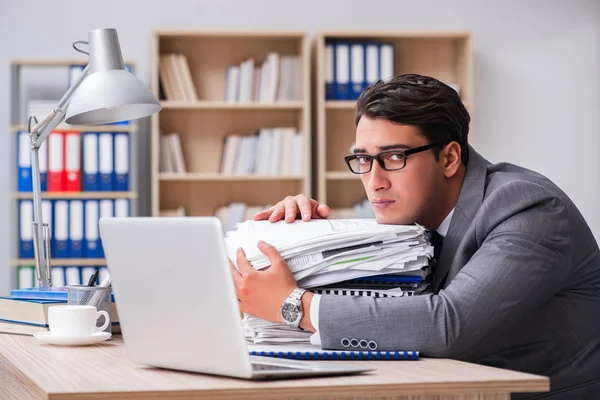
[[381, 163]]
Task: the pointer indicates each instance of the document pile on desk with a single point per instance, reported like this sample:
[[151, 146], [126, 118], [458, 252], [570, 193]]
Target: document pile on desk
[[356, 257]]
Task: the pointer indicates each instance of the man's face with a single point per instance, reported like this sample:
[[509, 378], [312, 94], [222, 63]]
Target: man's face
[[411, 194]]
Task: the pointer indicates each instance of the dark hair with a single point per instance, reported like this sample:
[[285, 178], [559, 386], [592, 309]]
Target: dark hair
[[411, 99]]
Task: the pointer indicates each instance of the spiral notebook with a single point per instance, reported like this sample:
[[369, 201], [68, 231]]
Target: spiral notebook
[[310, 352]]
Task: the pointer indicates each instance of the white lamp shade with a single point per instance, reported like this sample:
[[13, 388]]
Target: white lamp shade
[[110, 96]]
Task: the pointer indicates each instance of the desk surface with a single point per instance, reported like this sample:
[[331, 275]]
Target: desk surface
[[30, 369]]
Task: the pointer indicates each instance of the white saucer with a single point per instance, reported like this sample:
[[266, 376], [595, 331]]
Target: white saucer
[[48, 337]]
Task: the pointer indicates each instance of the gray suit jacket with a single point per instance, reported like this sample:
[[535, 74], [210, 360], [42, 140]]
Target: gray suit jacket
[[517, 286]]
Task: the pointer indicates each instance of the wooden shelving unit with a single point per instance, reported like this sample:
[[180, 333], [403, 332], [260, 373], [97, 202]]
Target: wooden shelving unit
[[203, 125], [443, 55]]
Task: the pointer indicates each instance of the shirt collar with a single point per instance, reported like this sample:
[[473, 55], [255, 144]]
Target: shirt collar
[[443, 228]]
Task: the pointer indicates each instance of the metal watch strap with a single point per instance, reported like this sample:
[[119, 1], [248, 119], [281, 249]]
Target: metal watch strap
[[296, 294]]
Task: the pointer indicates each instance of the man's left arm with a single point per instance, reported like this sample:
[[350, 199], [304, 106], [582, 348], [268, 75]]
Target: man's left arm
[[521, 262]]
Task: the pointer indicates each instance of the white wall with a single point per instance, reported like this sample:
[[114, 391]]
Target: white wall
[[536, 66]]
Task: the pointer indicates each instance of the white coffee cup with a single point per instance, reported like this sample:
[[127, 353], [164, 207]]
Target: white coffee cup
[[75, 320]]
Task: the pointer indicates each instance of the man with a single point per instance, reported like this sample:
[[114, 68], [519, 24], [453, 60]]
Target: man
[[517, 282]]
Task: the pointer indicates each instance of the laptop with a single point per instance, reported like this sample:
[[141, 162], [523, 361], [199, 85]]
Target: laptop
[[177, 303]]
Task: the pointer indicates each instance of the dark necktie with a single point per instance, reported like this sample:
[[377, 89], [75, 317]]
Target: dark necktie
[[436, 241]]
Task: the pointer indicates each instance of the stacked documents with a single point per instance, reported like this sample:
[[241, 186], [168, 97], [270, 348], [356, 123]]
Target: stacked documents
[[356, 257]]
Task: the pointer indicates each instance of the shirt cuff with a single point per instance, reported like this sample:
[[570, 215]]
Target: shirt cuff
[[315, 338]]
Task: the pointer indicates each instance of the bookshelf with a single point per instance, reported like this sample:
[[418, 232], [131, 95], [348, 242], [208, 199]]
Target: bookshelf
[[206, 118], [53, 75], [443, 55]]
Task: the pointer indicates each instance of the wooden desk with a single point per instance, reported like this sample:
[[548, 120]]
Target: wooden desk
[[32, 370]]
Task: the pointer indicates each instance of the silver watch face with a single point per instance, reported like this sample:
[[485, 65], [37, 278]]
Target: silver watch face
[[290, 312]]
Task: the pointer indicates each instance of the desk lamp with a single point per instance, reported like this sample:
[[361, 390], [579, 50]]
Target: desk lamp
[[104, 93]]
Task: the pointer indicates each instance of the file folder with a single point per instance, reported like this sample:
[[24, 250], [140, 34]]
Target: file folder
[[92, 233], [386, 61], [106, 161], [47, 211], [76, 229], [24, 180], [106, 211], [26, 229], [58, 276], [72, 161], [61, 229], [330, 93], [121, 147], [357, 70], [122, 208], [90, 161], [342, 71], [371, 63], [43, 162], [56, 162]]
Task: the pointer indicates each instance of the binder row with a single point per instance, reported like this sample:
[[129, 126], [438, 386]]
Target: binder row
[[105, 158], [352, 66], [73, 224], [61, 276]]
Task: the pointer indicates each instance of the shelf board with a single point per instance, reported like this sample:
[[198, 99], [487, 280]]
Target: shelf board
[[66, 262], [207, 176], [340, 104], [77, 195], [83, 128], [408, 34], [244, 33], [54, 62], [341, 175], [222, 105]]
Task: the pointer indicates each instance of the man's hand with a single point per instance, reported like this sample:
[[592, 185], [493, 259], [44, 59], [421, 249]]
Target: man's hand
[[293, 207], [261, 293]]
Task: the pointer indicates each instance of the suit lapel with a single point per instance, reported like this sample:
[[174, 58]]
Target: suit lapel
[[469, 200]]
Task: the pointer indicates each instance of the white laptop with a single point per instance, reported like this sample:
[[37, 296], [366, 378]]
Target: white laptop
[[177, 304]]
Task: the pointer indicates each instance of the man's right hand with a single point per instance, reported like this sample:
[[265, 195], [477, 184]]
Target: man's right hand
[[293, 207]]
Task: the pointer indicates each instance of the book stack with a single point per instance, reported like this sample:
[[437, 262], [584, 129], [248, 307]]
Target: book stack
[[277, 78], [26, 312], [345, 257], [176, 78]]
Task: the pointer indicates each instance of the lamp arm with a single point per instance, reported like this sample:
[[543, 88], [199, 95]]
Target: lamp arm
[[41, 231], [39, 133]]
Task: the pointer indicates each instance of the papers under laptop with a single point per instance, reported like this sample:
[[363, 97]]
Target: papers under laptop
[[176, 301]]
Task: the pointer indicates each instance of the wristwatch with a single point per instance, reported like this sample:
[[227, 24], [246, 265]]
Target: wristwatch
[[291, 309]]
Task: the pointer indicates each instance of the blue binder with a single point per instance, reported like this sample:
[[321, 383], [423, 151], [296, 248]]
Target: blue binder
[[122, 164], [26, 229], [358, 68], [330, 82], [90, 171], [106, 160], [76, 228], [61, 229], [342, 71], [92, 246], [24, 180]]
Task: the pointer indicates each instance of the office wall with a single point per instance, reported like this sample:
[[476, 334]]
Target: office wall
[[536, 68]]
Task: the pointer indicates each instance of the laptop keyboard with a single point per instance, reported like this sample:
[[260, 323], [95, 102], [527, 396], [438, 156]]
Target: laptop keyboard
[[269, 367]]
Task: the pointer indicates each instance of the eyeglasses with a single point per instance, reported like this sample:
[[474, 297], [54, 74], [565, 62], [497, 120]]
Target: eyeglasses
[[389, 160]]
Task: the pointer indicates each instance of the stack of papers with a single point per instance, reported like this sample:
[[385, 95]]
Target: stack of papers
[[356, 257]]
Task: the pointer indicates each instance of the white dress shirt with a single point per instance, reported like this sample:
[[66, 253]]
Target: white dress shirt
[[316, 300]]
